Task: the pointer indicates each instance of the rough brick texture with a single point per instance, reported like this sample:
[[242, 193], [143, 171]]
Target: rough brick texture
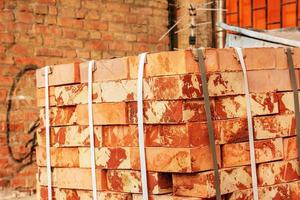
[[46, 32]]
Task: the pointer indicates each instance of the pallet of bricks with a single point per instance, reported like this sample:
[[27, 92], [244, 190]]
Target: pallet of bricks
[[179, 161]]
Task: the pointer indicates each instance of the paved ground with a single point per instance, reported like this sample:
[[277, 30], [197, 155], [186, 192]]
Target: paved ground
[[15, 195]]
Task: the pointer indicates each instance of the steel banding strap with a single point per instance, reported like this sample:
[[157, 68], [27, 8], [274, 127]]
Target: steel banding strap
[[47, 127], [296, 95], [250, 124], [211, 134], [91, 127], [142, 59]]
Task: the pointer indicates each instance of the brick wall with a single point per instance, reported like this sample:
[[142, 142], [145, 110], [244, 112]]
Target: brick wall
[[34, 33]]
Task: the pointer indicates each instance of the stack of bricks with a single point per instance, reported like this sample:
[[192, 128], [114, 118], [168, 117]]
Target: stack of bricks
[[178, 156]]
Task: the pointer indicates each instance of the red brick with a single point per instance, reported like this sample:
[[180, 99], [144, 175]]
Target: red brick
[[69, 22], [48, 52], [6, 16], [6, 38], [194, 111], [120, 45], [97, 45], [3, 95], [50, 2], [96, 25], [25, 17], [6, 80], [19, 49], [27, 61]]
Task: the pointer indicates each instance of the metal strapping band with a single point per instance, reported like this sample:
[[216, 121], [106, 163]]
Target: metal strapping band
[[250, 124], [91, 127], [202, 70], [140, 116], [47, 129], [296, 95]]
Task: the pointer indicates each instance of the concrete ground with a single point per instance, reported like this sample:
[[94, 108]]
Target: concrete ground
[[16, 195]]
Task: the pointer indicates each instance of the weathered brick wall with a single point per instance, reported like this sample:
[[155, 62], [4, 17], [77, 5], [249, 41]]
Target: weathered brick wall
[[40, 32]]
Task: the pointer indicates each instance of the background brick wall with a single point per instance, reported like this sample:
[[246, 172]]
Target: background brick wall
[[39, 32]]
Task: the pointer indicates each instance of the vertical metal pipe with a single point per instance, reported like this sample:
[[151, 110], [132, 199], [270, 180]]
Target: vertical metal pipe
[[219, 17]]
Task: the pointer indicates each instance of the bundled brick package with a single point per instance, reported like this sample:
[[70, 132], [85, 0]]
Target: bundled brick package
[[178, 154]]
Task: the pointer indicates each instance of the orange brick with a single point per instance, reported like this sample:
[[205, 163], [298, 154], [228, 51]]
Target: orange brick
[[106, 157], [170, 63], [157, 112], [40, 97], [225, 83], [278, 172], [295, 55], [82, 180], [58, 75], [281, 58], [60, 193], [124, 90], [286, 102], [202, 184], [76, 94], [274, 126], [104, 113], [60, 116], [235, 106], [227, 59], [70, 136], [260, 58], [226, 131], [194, 111], [221, 60], [60, 157], [278, 80], [294, 190], [237, 154], [290, 148], [163, 197], [175, 159], [114, 69], [280, 191], [130, 182]]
